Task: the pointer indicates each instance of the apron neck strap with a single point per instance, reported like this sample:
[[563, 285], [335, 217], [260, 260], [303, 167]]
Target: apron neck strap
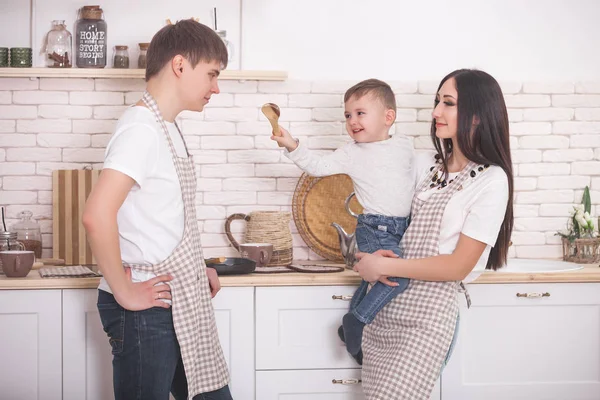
[[152, 105]]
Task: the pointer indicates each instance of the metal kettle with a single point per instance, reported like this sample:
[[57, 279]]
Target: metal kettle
[[348, 245]]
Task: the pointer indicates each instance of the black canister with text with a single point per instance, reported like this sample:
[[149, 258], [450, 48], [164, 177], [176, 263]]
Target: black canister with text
[[90, 38]]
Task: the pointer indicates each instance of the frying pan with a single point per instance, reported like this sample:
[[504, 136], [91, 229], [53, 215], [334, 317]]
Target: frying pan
[[231, 265]]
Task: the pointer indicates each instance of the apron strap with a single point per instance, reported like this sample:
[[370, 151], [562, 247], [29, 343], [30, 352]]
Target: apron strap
[[463, 289]]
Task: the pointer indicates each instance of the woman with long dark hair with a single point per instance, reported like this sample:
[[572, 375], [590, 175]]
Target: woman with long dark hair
[[461, 222]]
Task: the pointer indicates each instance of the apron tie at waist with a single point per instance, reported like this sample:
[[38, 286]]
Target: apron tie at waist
[[463, 289]]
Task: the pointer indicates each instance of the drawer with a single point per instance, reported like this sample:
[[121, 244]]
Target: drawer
[[330, 384], [296, 327], [533, 294], [309, 385]]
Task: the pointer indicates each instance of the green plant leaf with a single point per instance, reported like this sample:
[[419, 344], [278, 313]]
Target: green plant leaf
[[586, 200]]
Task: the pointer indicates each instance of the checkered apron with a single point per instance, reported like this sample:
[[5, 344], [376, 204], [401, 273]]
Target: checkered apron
[[406, 344], [193, 314]]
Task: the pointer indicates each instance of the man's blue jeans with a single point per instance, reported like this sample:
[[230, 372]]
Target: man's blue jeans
[[146, 357], [376, 232]]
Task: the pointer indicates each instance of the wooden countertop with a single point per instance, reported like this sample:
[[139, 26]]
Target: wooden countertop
[[346, 277], [587, 274]]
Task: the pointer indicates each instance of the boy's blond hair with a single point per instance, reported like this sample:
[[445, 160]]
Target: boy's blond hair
[[379, 89]]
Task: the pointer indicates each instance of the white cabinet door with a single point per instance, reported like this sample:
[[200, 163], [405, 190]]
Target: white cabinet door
[[30, 345], [514, 347], [87, 353], [296, 327], [234, 313], [309, 385]]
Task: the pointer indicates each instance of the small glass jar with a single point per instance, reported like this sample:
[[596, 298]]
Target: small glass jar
[[8, 241], [3, 57], [143, 54], [58, 46], [28, 233], [20, 57], [121, 57], [223, 35]]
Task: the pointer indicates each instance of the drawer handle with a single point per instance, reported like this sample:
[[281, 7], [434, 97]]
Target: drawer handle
[[346, 381], [533, 295], [338, 297]]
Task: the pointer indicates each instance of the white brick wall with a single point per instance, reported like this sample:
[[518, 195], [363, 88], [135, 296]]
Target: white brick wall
[[5, 97], [48, 124]]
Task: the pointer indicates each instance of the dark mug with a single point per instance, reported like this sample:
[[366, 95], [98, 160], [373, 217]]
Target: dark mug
[[259, 252], [17, 263]]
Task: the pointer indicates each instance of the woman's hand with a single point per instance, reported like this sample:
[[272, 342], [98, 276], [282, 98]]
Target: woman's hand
[[370, 266]]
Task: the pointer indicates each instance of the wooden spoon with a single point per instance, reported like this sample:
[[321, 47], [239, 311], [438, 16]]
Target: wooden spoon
[[215, 260], [272, 112]]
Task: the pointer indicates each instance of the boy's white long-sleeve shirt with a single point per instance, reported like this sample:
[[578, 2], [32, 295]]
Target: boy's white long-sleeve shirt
[[383, 173]]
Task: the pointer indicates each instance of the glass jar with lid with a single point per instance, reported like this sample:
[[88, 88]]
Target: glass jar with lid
[[59, 44], [121, 58], [223, 35], [28, 233], [90, 38], [143, 54], [8, 241]]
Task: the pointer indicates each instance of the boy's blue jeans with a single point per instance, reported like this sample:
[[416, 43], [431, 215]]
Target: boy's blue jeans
[[376, 232], [147, 361]]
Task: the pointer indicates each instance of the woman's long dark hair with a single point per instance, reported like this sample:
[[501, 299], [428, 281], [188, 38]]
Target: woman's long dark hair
[[480, 99]]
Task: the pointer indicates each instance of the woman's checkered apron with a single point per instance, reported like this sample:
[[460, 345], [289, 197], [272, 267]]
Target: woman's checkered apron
[[406, 344], [193, 314]]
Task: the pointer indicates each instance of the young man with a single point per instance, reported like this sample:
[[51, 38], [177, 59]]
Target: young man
[[155, 295]]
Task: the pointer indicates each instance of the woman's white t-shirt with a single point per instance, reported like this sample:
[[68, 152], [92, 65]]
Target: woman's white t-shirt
[[476, 211], [151, 219]]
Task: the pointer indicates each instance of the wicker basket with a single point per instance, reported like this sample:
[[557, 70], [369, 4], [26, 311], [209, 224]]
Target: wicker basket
[[584, 251], [316, 204], [267, 227]]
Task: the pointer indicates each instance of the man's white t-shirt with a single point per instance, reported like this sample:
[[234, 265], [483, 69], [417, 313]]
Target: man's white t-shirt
[[476, 211], [151, 219]]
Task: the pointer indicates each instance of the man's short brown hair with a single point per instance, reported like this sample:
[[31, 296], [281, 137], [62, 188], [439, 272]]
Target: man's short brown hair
[[379, 89], [193, 40]]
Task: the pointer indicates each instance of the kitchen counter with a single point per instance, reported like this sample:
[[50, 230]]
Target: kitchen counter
[[34, 281], [588, 274], [346, 277]]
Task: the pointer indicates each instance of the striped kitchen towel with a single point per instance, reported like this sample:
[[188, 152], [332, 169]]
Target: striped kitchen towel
[[72, 271]]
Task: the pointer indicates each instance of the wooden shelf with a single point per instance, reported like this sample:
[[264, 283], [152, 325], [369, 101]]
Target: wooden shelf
[[116, 73]]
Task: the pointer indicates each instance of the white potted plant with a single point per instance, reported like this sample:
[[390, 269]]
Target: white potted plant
[[580, 240]]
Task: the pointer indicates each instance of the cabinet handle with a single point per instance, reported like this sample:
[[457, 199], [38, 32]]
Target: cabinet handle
[[346, 381], [338, 297], [533, 295]]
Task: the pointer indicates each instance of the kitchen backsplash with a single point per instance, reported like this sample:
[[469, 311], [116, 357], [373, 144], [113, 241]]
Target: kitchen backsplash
[[49, 123]]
